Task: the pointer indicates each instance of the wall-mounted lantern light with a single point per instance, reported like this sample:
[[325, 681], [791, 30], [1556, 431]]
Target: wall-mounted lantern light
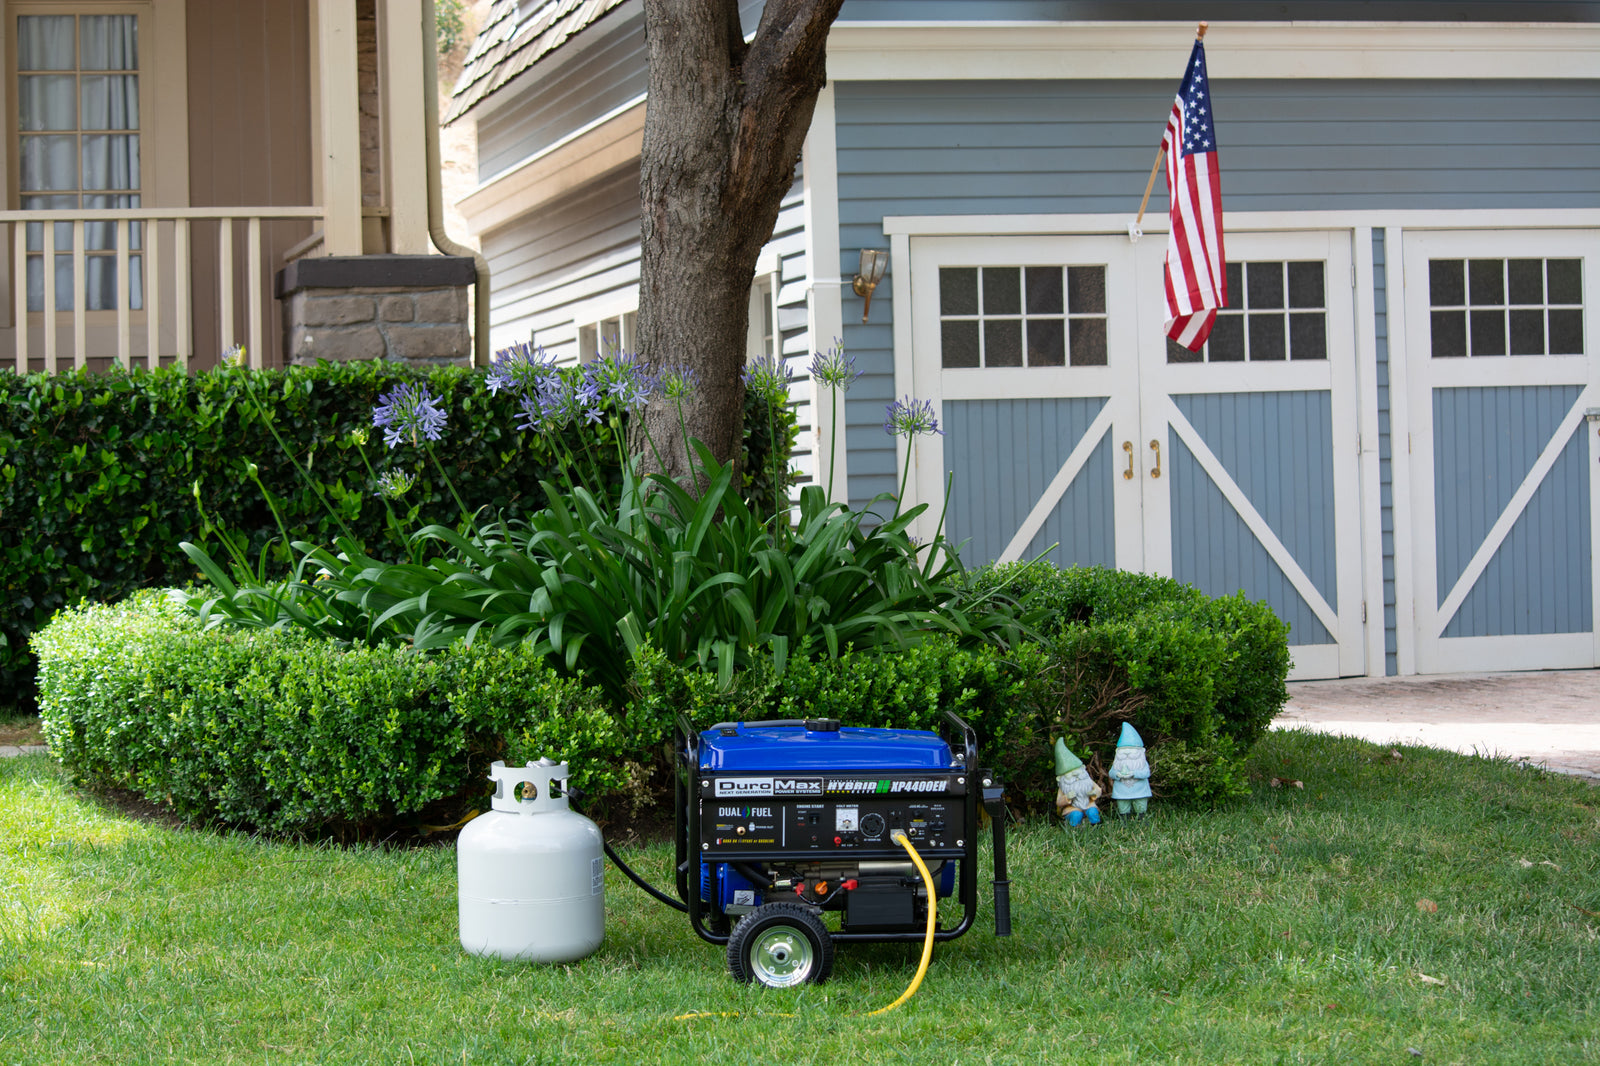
[[873, 264]]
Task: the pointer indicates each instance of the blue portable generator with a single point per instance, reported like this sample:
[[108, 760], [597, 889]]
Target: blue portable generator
[[782, 824]]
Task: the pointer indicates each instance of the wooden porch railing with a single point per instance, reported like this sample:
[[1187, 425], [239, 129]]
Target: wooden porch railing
[[159, 263]]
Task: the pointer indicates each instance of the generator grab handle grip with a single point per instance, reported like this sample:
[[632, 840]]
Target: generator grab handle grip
[[969, 741]]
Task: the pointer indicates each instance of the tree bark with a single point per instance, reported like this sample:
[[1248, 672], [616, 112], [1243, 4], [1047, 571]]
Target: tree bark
[[724, 125]]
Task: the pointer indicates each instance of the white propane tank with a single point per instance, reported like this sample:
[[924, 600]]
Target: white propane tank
[[531, 872]]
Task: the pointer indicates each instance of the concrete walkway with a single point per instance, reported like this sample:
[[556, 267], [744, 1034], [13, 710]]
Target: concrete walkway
[[26, 749], [1551, 718]]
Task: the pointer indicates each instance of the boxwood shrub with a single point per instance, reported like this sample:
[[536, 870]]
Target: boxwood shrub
[[274, 730], [280, 731], [1200, 677], [102, 475]]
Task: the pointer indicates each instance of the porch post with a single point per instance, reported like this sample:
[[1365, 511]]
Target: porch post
[[405, 169], [339, 150]]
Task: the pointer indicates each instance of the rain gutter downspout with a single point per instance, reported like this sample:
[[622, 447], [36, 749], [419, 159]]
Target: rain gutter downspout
[[441, 240]]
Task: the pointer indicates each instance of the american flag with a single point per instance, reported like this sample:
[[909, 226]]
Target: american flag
[[1196, 274]]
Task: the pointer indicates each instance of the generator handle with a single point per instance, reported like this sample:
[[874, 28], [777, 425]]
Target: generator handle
[[691, 738], [969, 741], [682, 777], [994, 800]]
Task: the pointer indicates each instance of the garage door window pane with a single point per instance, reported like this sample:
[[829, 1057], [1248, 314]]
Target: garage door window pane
[[1506, 307], [1022, 316], [959, 344], [1044, 291], [1257, 325], [1047, 345], [958, 291]]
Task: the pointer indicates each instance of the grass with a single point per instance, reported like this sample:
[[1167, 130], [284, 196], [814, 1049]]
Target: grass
[[1284, 929]]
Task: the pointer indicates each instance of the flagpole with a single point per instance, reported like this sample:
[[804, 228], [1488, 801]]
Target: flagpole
[[1199, 35]]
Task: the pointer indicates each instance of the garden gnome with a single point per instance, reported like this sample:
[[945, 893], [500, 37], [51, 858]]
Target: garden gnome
[[1077, 791], [1130, 773]]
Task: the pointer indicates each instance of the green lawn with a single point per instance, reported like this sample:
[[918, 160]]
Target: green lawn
[[1285, 929]]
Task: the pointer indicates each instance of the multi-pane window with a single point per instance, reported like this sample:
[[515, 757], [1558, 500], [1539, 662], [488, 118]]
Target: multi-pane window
[[1276, 311], [762, 339], [609, 336], [78, 145], [1015, 316], [1505, 307]]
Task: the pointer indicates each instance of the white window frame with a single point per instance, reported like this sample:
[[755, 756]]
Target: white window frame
[[759, 339], [614, 315]]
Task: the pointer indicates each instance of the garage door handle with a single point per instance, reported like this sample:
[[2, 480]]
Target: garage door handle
[[1127, 446], [1155, 446]]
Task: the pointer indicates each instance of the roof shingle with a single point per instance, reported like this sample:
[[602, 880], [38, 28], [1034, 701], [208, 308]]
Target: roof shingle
[[509, 44]]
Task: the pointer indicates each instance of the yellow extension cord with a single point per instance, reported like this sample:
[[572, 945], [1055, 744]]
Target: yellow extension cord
[[927, 944], [927, 940]]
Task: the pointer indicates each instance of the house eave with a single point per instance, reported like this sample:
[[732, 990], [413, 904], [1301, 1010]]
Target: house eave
[[901, 51], [613, 141]]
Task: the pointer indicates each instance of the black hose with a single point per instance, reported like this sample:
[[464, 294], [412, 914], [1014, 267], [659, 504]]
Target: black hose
[[573, 794], [754, 876], [641, 882]]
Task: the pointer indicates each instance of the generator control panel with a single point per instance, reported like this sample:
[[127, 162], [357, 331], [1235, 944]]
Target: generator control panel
[[829, 816]]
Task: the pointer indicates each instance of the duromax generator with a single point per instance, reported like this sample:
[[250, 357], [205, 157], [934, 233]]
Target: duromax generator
[[782, 823]]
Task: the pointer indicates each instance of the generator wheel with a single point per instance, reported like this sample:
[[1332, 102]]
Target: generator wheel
[[780, 945]]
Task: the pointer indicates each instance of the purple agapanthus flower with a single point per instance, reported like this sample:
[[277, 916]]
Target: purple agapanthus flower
[[677, 382], [618, 377], [408, 412], [393, 484], [769, 377], [520, 368], [909, 418], [835, 370], [550, 405]]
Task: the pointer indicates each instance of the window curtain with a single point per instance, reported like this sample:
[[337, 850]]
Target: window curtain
[[78, 123]]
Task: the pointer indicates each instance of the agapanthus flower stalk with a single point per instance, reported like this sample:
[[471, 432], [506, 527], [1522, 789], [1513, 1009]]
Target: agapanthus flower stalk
[[836, 372], [910, 419]]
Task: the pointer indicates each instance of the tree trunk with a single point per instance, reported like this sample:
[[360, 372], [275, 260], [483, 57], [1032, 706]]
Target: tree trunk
[[723, 129]]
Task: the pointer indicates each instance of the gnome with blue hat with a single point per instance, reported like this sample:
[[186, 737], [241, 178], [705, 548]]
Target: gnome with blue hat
[[1076, 790], [1130, 773]]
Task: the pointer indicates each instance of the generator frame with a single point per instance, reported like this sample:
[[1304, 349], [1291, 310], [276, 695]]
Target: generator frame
[[712, 923]]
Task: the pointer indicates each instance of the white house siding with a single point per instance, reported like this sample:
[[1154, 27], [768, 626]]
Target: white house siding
[[567, 263]]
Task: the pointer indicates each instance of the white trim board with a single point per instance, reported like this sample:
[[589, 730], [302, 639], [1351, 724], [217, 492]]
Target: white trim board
[[1244, 221], [819, 172], [971, 50]]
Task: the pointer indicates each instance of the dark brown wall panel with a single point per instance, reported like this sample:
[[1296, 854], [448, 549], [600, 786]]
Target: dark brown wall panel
[[249, 145]]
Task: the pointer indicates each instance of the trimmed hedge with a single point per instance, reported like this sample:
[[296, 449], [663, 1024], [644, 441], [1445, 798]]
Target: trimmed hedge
[[101, 474], [279, 731]]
